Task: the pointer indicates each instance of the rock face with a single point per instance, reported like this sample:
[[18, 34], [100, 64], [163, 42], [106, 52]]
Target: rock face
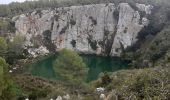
[[128, 27], [104, 29]]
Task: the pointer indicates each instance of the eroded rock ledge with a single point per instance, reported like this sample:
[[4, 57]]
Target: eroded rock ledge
[[104, 29]]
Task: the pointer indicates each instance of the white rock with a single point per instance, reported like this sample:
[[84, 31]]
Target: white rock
[[102, 96], [26, 99], [100, 89], [67, 97], [10, 71], [15, 18], [146, 8], [59, 98], [39, 51], [145, 21], [14, 68]]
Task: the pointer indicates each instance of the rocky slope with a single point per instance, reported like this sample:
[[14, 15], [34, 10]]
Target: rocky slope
[[104, 29]]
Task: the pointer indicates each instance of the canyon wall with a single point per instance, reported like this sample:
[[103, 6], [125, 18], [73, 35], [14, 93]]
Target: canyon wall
[[103, 29]]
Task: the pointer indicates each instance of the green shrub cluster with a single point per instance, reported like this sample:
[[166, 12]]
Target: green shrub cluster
[[6, 25], [140, 84], [12, 50]]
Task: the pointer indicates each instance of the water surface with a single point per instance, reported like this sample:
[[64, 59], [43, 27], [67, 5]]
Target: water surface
[[96, 64]]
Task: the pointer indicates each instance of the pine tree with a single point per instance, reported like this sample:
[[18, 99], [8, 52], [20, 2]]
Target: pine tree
[[70, 66]]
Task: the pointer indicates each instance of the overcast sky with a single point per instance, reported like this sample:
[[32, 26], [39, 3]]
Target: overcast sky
[[9, 1]]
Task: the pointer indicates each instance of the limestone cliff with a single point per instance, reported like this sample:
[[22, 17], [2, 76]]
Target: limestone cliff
[[104, 29]]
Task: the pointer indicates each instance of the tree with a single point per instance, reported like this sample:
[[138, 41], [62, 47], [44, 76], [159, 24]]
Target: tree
[[6, 26], [3, 25], [2, 64], [16, 49], [17, 44], [70, 66], [3, 46], [6, 92]]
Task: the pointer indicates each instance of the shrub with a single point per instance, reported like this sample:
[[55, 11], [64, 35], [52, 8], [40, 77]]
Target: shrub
[[141, 84], [105, 79], [3, 46]]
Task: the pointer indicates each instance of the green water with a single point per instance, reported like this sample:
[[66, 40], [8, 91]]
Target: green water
[[96, 64]]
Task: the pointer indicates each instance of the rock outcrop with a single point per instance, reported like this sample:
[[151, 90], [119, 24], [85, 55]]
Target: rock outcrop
[[104, 29], [129, 25]]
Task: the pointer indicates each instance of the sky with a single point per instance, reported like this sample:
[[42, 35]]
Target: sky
[[9, 1]]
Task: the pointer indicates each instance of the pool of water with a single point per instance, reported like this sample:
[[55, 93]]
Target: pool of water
[[96, 64]]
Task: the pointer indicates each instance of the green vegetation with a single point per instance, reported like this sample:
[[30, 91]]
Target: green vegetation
[[151, 50], [139, 84], [3, 46], [2, 63], [7, 91], [16, 8], [159, 46], [17, 44], [3, 25], [70, 66], [12, 50], [15, 49], [6, 25], [36, 88]]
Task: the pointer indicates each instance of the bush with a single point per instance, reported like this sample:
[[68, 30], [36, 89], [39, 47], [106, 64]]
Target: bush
[[142, 84], [6, 25], [3, 46], [105, 79]]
